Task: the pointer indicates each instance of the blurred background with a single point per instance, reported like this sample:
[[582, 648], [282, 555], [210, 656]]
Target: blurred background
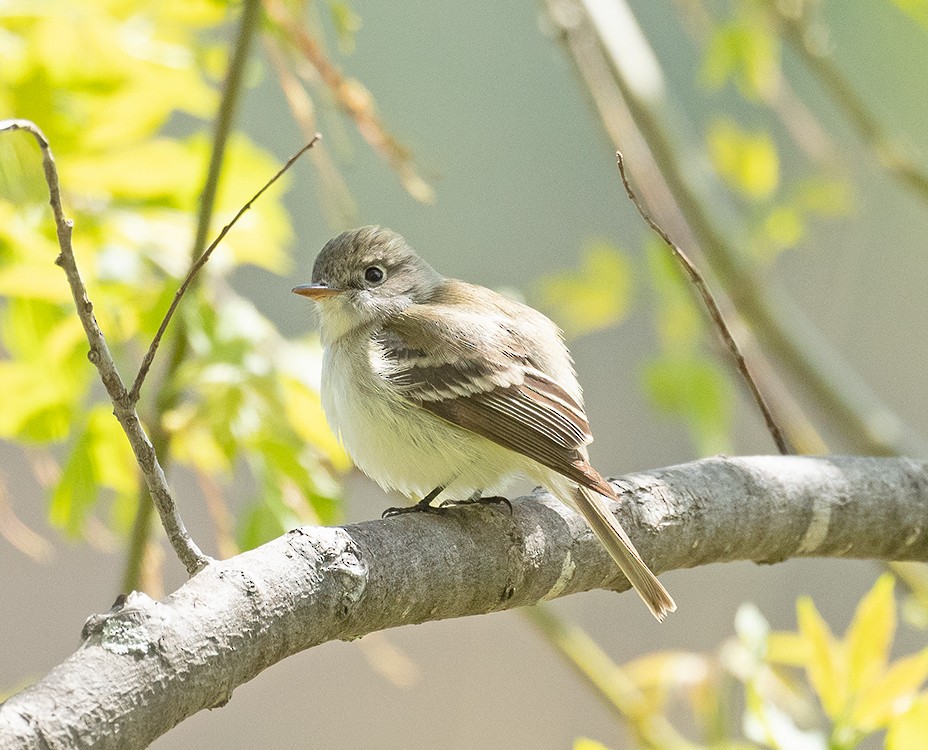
[[783, 145]]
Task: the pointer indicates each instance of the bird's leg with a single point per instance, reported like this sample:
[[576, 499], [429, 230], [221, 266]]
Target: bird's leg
[[423, 506], [478, 499]]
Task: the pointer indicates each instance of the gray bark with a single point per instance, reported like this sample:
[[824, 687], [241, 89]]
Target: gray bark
[[148, 665]]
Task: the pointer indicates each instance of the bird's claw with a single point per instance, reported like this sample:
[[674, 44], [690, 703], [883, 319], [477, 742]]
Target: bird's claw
[[492, 500], [420, 507]]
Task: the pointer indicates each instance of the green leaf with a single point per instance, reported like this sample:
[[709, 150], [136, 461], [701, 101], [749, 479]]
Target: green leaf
[[679, 324], [745, 52], [347, 24], [748, 162], [100, 458], [696, 390], [595, 296], [76, 491], [266, 519], [915, 9]]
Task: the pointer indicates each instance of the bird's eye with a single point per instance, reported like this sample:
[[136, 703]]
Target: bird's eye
[[374, 274]]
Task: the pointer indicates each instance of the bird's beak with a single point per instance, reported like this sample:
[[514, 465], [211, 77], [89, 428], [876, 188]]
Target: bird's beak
[[315, 291]]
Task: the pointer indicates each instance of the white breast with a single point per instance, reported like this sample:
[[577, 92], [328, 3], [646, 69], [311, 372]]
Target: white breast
[[399, 445]]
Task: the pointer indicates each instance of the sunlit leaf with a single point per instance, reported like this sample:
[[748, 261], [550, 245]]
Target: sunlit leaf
[[892, 692], [304, 411], [748, 162], [910, 729], [825, 197], [915, 9], [783, 228], [585, 743], [137, 172], [696, 390], [766, 723], [788, 649], [871, 633], [347, 24], [826, 667], [666, 671], [752, 629], [595, 296], [744, 52]]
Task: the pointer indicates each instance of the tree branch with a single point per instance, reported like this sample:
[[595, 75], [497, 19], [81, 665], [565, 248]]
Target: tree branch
[[715, 314], [148, 665], [123, 405]]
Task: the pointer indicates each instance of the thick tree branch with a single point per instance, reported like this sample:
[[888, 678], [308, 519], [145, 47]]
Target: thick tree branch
[[148, 665]]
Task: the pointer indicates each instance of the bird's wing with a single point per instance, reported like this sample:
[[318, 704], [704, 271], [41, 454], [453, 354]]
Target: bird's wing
[[473, 371]]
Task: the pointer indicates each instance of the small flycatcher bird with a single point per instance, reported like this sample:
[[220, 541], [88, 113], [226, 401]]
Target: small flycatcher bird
[[436, 385]]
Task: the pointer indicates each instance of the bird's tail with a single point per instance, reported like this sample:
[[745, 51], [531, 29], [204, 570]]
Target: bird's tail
[[592, 506]]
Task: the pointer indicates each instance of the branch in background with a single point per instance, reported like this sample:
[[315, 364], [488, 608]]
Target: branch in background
[[610, 682], [890, 154], [801, 123], [335, 198], [621, 128], [804, 353], [12, 529], [149, 665], [714, 313], [123, 406], [355, 100]]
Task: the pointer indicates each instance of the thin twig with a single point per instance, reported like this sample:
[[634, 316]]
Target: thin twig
[[714, 313], [165, 396], [123, 406], [198, 264]]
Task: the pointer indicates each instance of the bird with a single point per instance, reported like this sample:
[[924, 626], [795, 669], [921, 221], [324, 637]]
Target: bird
[[436, 386]]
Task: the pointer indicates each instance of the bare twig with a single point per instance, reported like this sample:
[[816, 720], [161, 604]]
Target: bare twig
[[123, 406], [198, 264], [165, 395], [714, 313]]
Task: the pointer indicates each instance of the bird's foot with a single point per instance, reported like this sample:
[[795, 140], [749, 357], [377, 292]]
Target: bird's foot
[[477, 499], [423, 506]]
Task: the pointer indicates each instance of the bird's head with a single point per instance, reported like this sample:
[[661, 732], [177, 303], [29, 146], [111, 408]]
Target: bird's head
[[364, 276]]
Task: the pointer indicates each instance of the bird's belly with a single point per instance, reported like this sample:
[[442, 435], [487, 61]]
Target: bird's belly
[[401, 446]]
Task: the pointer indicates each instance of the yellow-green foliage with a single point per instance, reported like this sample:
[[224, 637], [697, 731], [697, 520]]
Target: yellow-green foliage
[[120, 89]]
